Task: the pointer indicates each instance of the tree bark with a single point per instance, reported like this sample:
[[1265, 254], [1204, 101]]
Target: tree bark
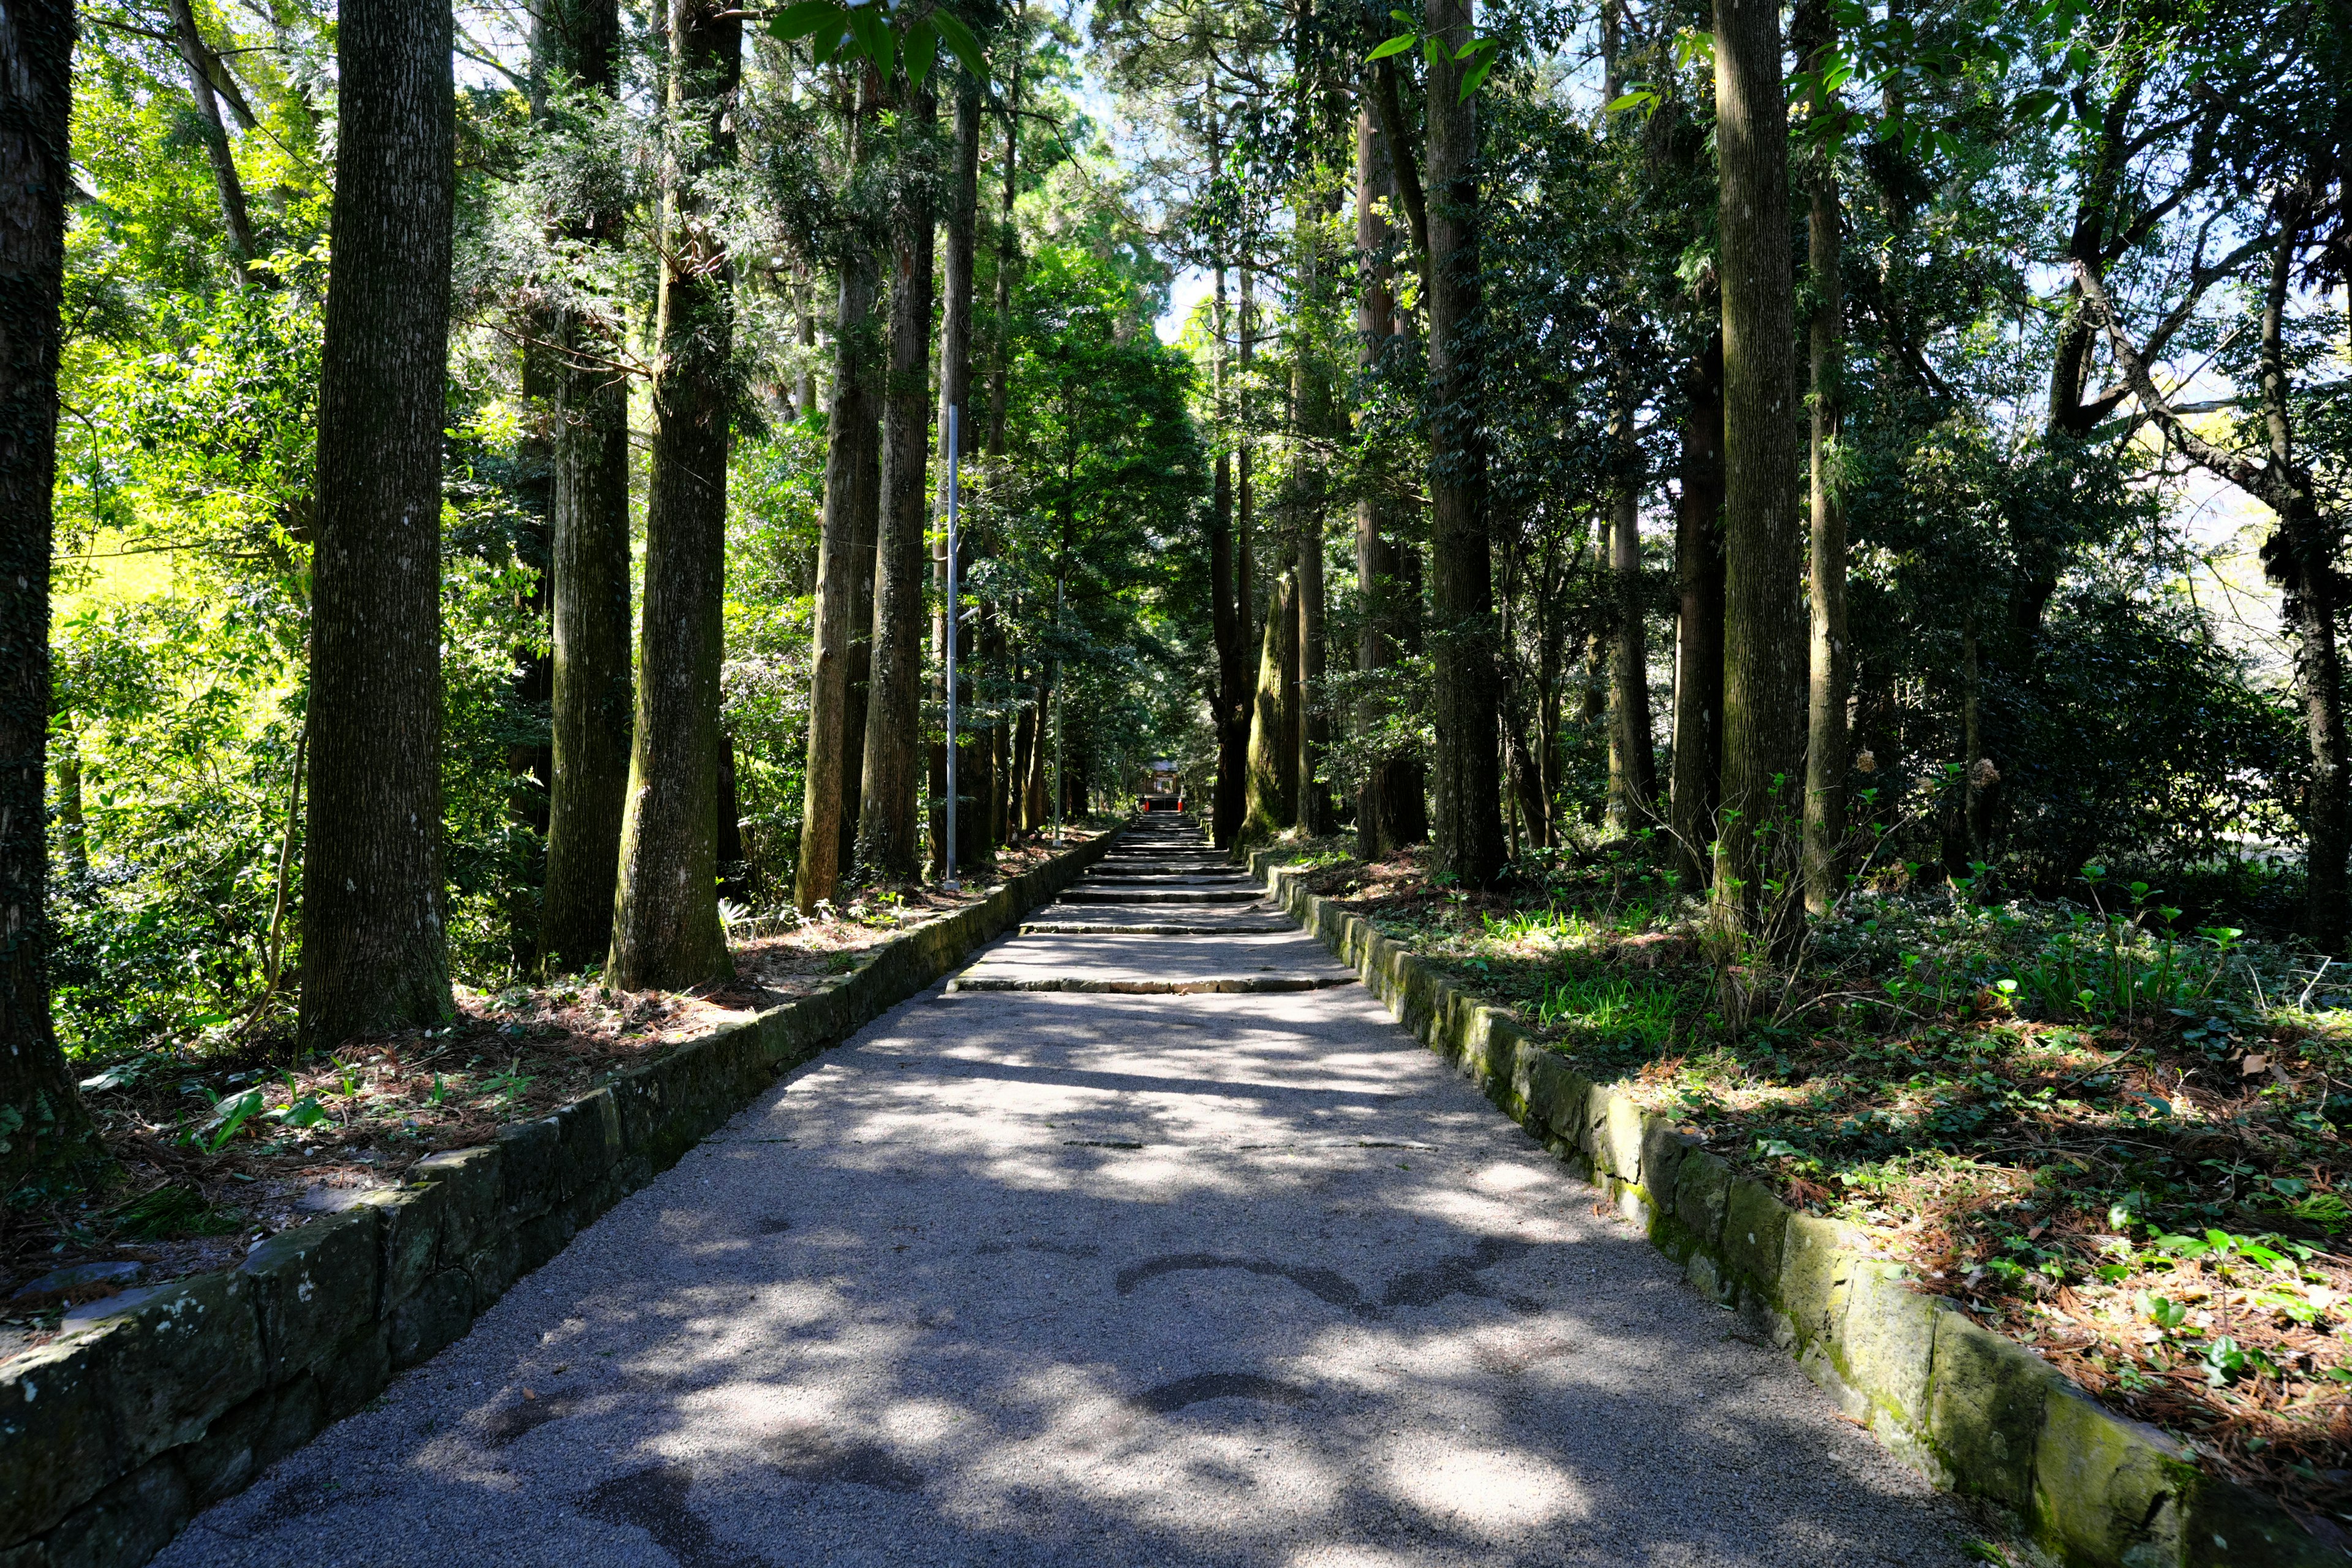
[[1390, 810], [1633, 758], [1008, 242], [1765, 644], [666, 929], [1828, 747], [890, 825], [1314, 725], [1229, 612], [1272, 745], [852, 490], [235, 218], [374, 949], [1469, 846], [1698, 622], [593, 696], [41, 1115], [955, 393]]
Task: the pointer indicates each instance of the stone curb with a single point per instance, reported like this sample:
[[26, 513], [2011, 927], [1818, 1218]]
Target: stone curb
[[1968, 1409], [113, 1436]]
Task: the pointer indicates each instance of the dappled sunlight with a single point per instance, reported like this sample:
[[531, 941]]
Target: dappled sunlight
[[1488, 1490], [1213, 1280]]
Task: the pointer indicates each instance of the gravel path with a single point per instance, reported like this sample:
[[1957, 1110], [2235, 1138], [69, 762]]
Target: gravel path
[[1024, 1276]]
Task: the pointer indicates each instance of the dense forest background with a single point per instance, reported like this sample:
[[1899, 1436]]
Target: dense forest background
[[1515, 432]]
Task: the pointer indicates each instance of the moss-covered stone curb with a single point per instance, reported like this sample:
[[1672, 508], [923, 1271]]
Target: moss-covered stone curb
[[112, 1437], [1975, 1412]]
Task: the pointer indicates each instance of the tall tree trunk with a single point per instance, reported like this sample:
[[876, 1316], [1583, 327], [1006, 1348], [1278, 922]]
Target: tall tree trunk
[[1828, 747], [1390, 811], [955, 393], [889, 825], [40, 1111], [1633, 759], [1633, 762], [1273, 746], [1229, 612], [375, 950], [1008, 242], [666, 927], [235, 220], [1469, 842], [592, 693], [1245, 490], [1314, 723], [804, 382], [845, 542], [1764, 640], [1698, 621]]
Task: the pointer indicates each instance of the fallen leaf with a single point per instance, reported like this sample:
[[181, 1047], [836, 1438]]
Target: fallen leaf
[[2254, 1064]]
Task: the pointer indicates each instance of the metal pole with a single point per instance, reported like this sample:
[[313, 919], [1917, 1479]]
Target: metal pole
[[948, 870]]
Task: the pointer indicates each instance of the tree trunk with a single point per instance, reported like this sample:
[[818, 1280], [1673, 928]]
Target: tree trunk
[[852, 488], [1390, 811], [1229, 612], [1828, 748], [1272, 745], [1314, 723], [1469, 843], [955, 393], [593, 697], [1765, 644], [1036, 797], [374, 952], [666, 929], [1633, 759], [1008, 242], [41, 1115], [1018, 820], [734, 874], [889, 825], [1698, 622], [225, 184]]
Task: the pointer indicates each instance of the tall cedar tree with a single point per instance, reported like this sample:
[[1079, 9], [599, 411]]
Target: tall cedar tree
[[1229, 616], [1273, 741], [846, 541], [1633, 759], [1828, 746], [594, 699], [1697, 778], [1764, 638], [665, 926], [1469, 844], [889, 825], [374, 952], [1390, 811], [955, 393], [40, 1115]]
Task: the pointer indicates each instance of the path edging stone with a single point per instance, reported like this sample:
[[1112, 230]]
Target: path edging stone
[[1973, 1412], [113, 1436]]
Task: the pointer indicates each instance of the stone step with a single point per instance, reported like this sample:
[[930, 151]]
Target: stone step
[[1205, 985], [1161, 896], [1145, 927]]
